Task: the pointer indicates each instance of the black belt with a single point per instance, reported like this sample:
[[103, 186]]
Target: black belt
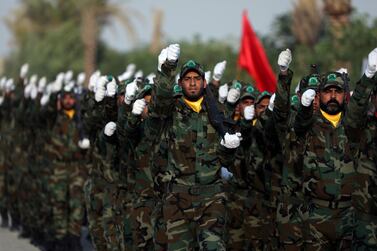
[[332, 204], [196, 189]]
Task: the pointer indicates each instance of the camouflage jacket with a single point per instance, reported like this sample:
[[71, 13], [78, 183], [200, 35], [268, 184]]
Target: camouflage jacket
[[195, 155], [328, 152]]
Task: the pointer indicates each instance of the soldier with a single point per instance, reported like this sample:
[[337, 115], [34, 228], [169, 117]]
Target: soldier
[[65, 150], [193, 207], [328, 159], [365, 187]]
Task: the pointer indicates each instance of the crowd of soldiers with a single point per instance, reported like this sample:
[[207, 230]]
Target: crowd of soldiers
[[181, 161]]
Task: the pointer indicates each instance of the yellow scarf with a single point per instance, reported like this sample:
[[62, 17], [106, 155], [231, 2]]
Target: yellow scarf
[[70, 113], [196, 106], [334, 119], [254, 121]]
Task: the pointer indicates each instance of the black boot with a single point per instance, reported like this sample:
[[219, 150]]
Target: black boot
[[61, 245], [25, 233], [4, 218], [74, 243], [15, 224]]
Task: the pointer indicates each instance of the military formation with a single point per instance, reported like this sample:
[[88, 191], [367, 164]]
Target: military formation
[[179, 160]]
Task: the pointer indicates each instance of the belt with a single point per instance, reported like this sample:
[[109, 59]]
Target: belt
[[196, 189], [332, 204]]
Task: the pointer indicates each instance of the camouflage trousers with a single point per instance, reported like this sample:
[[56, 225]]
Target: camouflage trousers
[[330, 225], [236, 238], [3, 185], [291, 215], [160, 238], [114, 217], [94, 195], [195, 217], [365, 233], [15, 172], [67, 198], [142, 229], [259, 224]]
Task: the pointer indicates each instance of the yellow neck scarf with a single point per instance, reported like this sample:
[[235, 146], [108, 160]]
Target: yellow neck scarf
[[70, 113], [196, 106], [254, 121], [334, 119]]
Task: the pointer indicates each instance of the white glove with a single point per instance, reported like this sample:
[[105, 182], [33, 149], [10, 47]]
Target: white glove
[[249, 112], [27, 91], [271, 104], [111, 88], [233, 95], [139, 74], [342, 70], [9, 85], [207, 76], [1, 100], [93, 80], [68, 76], [24, 70], [100, 89], [42, 84], [130, 70], [33, 79], [150, 78], [285, 58], [218, 71], [307, 97], [131, 90], [84, 143], [110, 128], [231, 140], [44, 100], [173, 52], [162, 58], [3, 80], [69, 87], [139, 106], [33, 92], [223, 93], [372, 64], [81, 78], [225, 174]]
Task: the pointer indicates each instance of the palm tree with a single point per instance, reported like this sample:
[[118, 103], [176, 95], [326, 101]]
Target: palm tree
[[307, 22], [339, 12], [94, 15]]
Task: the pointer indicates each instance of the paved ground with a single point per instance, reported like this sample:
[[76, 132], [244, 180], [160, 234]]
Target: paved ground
[[9, 241]]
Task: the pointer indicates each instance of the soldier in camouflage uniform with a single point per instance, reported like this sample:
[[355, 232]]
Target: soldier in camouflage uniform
[[243, 117], [328, 160], [67, 179], [194, 206], [365, 185]]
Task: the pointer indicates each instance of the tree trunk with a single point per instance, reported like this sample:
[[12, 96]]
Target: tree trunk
[[89, 36]]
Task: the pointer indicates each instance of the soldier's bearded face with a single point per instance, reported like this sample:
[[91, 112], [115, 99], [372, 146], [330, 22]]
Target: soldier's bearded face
[[261, 106], [68, 102], [192, 86], [332, 100]]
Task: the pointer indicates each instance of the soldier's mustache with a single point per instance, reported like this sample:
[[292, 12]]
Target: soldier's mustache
[[333, 101]]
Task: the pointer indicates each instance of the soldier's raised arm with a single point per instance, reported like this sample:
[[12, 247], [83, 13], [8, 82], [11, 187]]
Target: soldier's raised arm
[[356, 116]]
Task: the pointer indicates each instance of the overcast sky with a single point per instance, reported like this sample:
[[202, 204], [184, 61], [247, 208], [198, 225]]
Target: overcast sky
[[219, 19]]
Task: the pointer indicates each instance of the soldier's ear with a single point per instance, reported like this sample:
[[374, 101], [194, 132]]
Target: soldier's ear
[[205, 83]]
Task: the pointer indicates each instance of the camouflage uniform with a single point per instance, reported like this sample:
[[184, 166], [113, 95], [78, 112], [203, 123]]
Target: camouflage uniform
[[365, 185], [67, 179], [329, 170], [194, 208]]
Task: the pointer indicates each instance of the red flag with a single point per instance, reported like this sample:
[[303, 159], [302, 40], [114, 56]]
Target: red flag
[[253, 59]]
